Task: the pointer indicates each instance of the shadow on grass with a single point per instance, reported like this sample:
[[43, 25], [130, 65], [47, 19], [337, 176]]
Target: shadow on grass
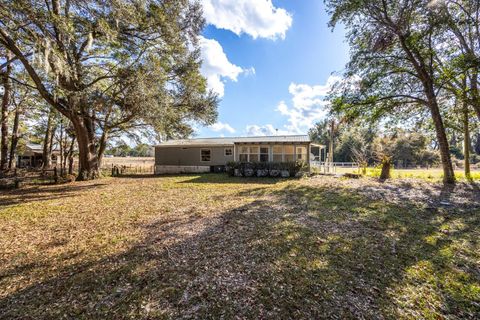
[[223, 178], [433, 195], [138, 176], [475, 185], [43, 193], [298, 252], [219, 178]]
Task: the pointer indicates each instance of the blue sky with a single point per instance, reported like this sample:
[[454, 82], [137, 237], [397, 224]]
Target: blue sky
[[271, 62]]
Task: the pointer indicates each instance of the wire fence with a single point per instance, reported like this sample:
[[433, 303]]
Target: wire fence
[[332, 167], [119, 170], [33, 176]]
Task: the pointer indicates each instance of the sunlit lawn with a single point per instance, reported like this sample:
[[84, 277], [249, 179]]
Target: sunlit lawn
[[212, 246], [433, 174]]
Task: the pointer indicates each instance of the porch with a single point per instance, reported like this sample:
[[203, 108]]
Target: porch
[[288, 152]]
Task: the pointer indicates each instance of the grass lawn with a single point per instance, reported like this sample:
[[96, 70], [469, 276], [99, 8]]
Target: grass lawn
[[433, 174], [212, 246]]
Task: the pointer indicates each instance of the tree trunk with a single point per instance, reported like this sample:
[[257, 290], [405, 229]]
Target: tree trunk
[[87, 159], [102, 145], [330, 149], [65, 155], [7, 88], [70, 156], [466, 141], [47, 154], [426, 76], [61, 148], [53, 130], [448, 173], [476, 145], [453, 139], [475, 94], [386, 168], [15, 138]]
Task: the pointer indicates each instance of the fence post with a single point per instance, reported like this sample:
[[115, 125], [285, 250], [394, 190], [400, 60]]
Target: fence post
[[55, 174], [15, 179]]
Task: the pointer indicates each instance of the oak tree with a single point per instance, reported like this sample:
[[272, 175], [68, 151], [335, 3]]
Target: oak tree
[[74, 50]]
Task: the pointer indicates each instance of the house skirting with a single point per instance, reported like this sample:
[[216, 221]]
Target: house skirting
[[165, 169]]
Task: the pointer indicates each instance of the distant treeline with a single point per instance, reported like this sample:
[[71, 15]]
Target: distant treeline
[[124, 150], [407, 148]]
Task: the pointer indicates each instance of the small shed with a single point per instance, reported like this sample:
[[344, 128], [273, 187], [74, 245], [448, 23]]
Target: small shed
[[32, 156]]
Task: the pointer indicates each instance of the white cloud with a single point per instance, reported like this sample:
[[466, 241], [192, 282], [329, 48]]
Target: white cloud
[[220, 126], [265, 130], [256, 130], [249, 72], [308, 105], [257, 18], [217, 68]]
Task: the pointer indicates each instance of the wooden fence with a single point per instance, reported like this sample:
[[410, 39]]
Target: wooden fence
[[22, 177]]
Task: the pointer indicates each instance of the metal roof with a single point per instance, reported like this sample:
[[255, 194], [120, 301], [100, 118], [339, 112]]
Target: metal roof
[[37, 148], [233, 140]]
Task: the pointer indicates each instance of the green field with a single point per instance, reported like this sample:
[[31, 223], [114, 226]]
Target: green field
[[212, 246]]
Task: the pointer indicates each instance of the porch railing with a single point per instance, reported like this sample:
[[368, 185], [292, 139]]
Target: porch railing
[[331, 167]]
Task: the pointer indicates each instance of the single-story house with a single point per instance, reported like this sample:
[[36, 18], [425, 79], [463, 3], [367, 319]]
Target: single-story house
[[32, 156], [212, 154]]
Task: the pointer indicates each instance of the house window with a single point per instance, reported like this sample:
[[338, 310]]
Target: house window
[[228, 151], [205, 155], [289, 153], [253, 154], [277, 152], [263, 154], [301, 153], [243, 154]]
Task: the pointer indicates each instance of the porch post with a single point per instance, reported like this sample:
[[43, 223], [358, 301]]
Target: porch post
[[309, 146]]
